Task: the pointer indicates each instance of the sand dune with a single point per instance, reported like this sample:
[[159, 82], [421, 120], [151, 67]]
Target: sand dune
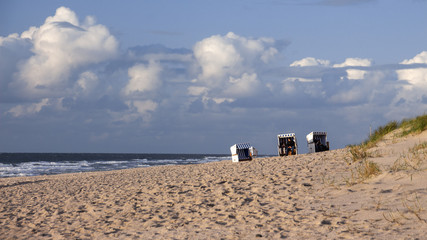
[[305, 196]]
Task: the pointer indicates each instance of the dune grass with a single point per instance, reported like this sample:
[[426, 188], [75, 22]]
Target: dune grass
[[408, 126], [380, 132], [360, 154], [415, 125]]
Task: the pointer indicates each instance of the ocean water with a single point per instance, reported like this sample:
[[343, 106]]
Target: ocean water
[[33, 164]]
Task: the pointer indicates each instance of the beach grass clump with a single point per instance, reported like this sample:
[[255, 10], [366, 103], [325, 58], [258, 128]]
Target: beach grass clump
[[368, 169], [358, 153], [364, 170], [380, 132], [408, 126], [414, 125], [413, 160]]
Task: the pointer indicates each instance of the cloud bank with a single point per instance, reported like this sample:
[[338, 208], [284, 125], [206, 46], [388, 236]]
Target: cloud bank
[[72, 74]]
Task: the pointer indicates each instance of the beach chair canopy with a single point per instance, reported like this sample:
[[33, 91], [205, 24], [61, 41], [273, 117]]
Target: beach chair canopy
[[316, 135], [243, 146], [286, 135]]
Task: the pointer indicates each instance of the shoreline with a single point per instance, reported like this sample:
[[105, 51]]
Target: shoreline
[[22, 165], [300, 196]]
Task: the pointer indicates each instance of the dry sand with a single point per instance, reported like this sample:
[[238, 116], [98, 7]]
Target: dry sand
[[305, 196]]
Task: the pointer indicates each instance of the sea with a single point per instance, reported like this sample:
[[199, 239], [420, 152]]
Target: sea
[[34, 164]]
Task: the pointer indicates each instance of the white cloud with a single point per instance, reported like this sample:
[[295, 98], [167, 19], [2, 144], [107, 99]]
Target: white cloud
[[229, 67], [302, 79], [29, 33], [244, 86], [9, 39], [143, 78], [144, 107], [354, 62], [269, 54], [355, 74], [419, 58], [138, 109], [217, 56], [416, 78], [87, 82], [61, 45], [226, 85], [231, 55], [222, 100], [63, 14], [28, 109], [197, 91], [309, 62]]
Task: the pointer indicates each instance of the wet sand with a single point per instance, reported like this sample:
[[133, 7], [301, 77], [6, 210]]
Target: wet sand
[[296, 197]]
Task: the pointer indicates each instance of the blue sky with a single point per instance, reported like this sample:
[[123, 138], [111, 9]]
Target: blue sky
[[200, 76]]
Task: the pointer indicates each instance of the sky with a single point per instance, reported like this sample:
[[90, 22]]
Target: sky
[[197, 76]]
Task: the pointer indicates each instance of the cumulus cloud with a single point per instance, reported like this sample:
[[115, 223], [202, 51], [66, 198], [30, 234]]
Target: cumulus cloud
[[310, 61], [143, 107], [141, 90], [13, 50], [334, 84], [87, 82], [217, 56], [416, 78], [21, 110], [354, 62], [143, 78], [355, 74], [61, 45], [419, 58], [245, 86], [197, 91], [225, 84], [229, 67], [137, 110], [231, 55]]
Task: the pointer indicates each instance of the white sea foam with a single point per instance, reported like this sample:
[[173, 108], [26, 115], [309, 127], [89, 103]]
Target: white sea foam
[[33, 168]]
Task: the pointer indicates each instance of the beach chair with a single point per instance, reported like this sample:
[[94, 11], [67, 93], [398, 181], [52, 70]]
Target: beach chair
[[283, 143], [317, 142], [242, 152]]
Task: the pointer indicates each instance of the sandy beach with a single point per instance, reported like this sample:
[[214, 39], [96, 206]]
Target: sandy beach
[[307, 196]]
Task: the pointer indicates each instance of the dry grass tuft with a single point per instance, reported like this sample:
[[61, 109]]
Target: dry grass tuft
[[368, 169], [358, 153], [364, 170], [413, 160], [411, 206]]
